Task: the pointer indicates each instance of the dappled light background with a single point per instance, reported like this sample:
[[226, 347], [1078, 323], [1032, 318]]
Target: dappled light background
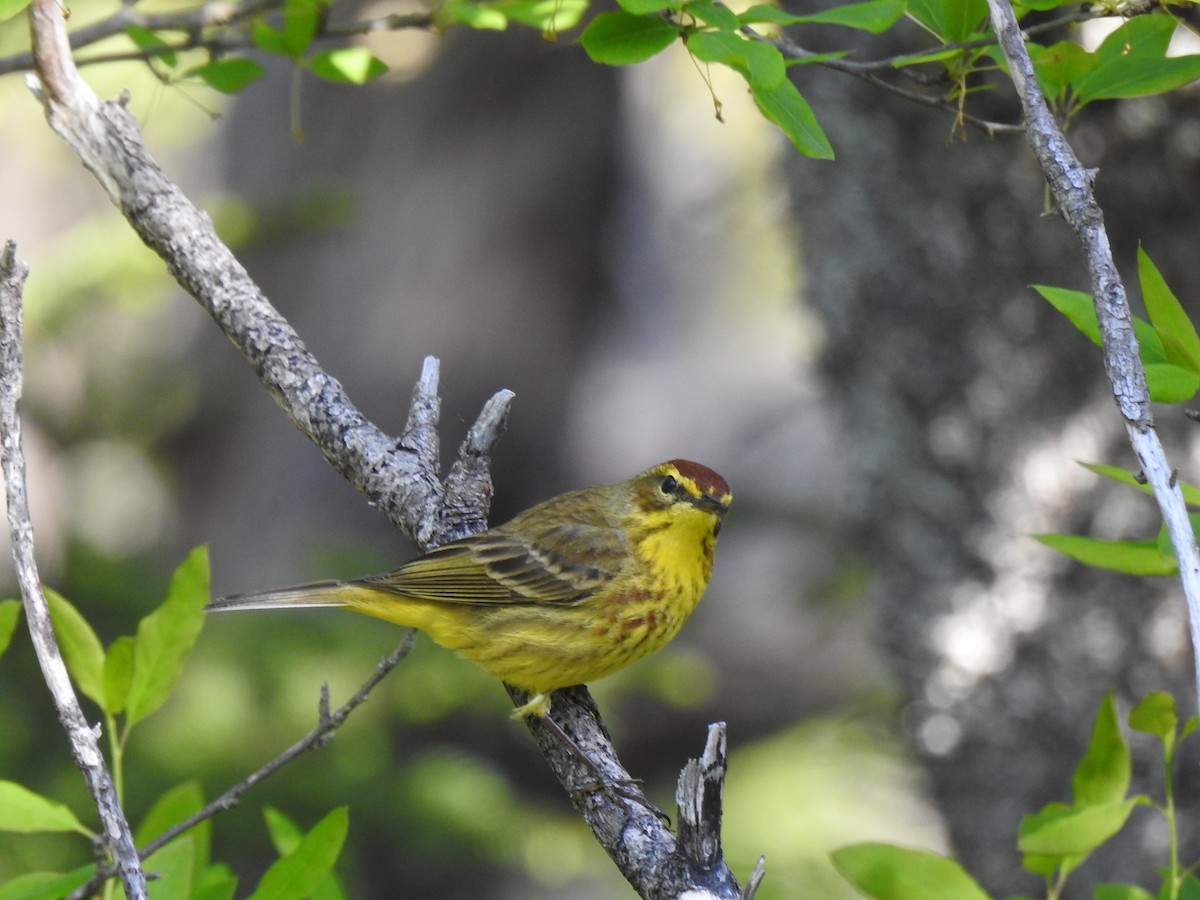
[[844, 342]]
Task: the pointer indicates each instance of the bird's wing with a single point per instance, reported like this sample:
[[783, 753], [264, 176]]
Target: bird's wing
[[500, 567]]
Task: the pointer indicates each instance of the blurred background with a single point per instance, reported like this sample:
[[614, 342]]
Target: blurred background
[[852, 345]]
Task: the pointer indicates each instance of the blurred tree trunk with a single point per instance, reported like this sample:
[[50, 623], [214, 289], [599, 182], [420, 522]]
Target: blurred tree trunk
[[967, 400]]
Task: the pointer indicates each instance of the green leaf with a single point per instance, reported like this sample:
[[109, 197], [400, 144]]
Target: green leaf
[[268, 39], [718, 16], [1130, 557], [1132, 62], [215, 883], [1059, 65], [175, 866], [151, 44], [1046, 866], [887, 872], [45, 885], [9, 8], [24, 811], [165, 636], [784, 106], [172, 807], [767, 12], [915, 59], [228, 75], [1072, 831], [300, 20], [647, 7], [1119, 892], [285, 838], [347, 65], [298, 874], [1190, 888], [1191, 493], [1172, 324], [1155, 714], [1170, 384], [760, 64], [285, 833], [479, 17], [1077, 306], [620, 39], [551, 16], [1192, 723], [81, 649], [10, 613], [875, 16], [953, 21], [118, 673], [1102, 776]]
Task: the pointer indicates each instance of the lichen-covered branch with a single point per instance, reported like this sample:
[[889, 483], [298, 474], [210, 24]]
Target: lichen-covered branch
[[1072, 187], [84, 740], [398, 476], [659, 865]]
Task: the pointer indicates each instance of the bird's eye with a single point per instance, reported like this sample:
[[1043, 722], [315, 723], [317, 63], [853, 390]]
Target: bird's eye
[[669, 485]]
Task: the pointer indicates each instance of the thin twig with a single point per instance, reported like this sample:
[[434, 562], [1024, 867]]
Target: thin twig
[[216, 27], [84, 740], [327, 723], [870, 71], [1072, 186]]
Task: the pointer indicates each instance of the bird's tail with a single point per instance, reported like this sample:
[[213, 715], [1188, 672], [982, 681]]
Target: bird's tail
[[321, 593]]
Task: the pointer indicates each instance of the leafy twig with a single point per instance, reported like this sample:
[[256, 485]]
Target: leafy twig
[[1071, 185], [216, 27], [327, 723], [870, 71], [84, 740]]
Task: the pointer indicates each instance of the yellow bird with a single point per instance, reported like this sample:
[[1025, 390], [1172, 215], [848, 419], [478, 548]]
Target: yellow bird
[[569, 591]]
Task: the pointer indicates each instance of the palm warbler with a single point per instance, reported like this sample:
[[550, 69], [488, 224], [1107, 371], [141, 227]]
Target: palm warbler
[[565, 593]]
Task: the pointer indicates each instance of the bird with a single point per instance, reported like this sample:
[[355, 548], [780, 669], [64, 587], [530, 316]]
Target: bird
[[567, 592]]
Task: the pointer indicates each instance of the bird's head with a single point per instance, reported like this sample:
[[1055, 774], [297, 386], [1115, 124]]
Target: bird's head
[[681, 485]]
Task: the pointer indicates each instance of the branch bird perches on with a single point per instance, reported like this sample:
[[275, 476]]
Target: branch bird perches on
[[399, 476]]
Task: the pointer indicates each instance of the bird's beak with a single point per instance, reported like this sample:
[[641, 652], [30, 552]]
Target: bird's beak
[[713, 503]]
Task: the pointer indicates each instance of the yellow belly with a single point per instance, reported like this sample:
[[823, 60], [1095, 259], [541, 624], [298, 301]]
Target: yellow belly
[[541, 647]]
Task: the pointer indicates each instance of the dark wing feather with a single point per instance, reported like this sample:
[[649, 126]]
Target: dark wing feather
[[498, 566]]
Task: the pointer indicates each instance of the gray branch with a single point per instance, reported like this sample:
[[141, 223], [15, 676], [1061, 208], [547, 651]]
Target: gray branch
[[84, 739], [1071, 185], [399, 476], [659, 865]]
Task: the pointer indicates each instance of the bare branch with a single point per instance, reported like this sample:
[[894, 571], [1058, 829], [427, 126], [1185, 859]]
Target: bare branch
[[1072, 186], [83, 739], [400, 478]]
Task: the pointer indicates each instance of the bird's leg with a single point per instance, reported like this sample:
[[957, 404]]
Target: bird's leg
[[628, 788]]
